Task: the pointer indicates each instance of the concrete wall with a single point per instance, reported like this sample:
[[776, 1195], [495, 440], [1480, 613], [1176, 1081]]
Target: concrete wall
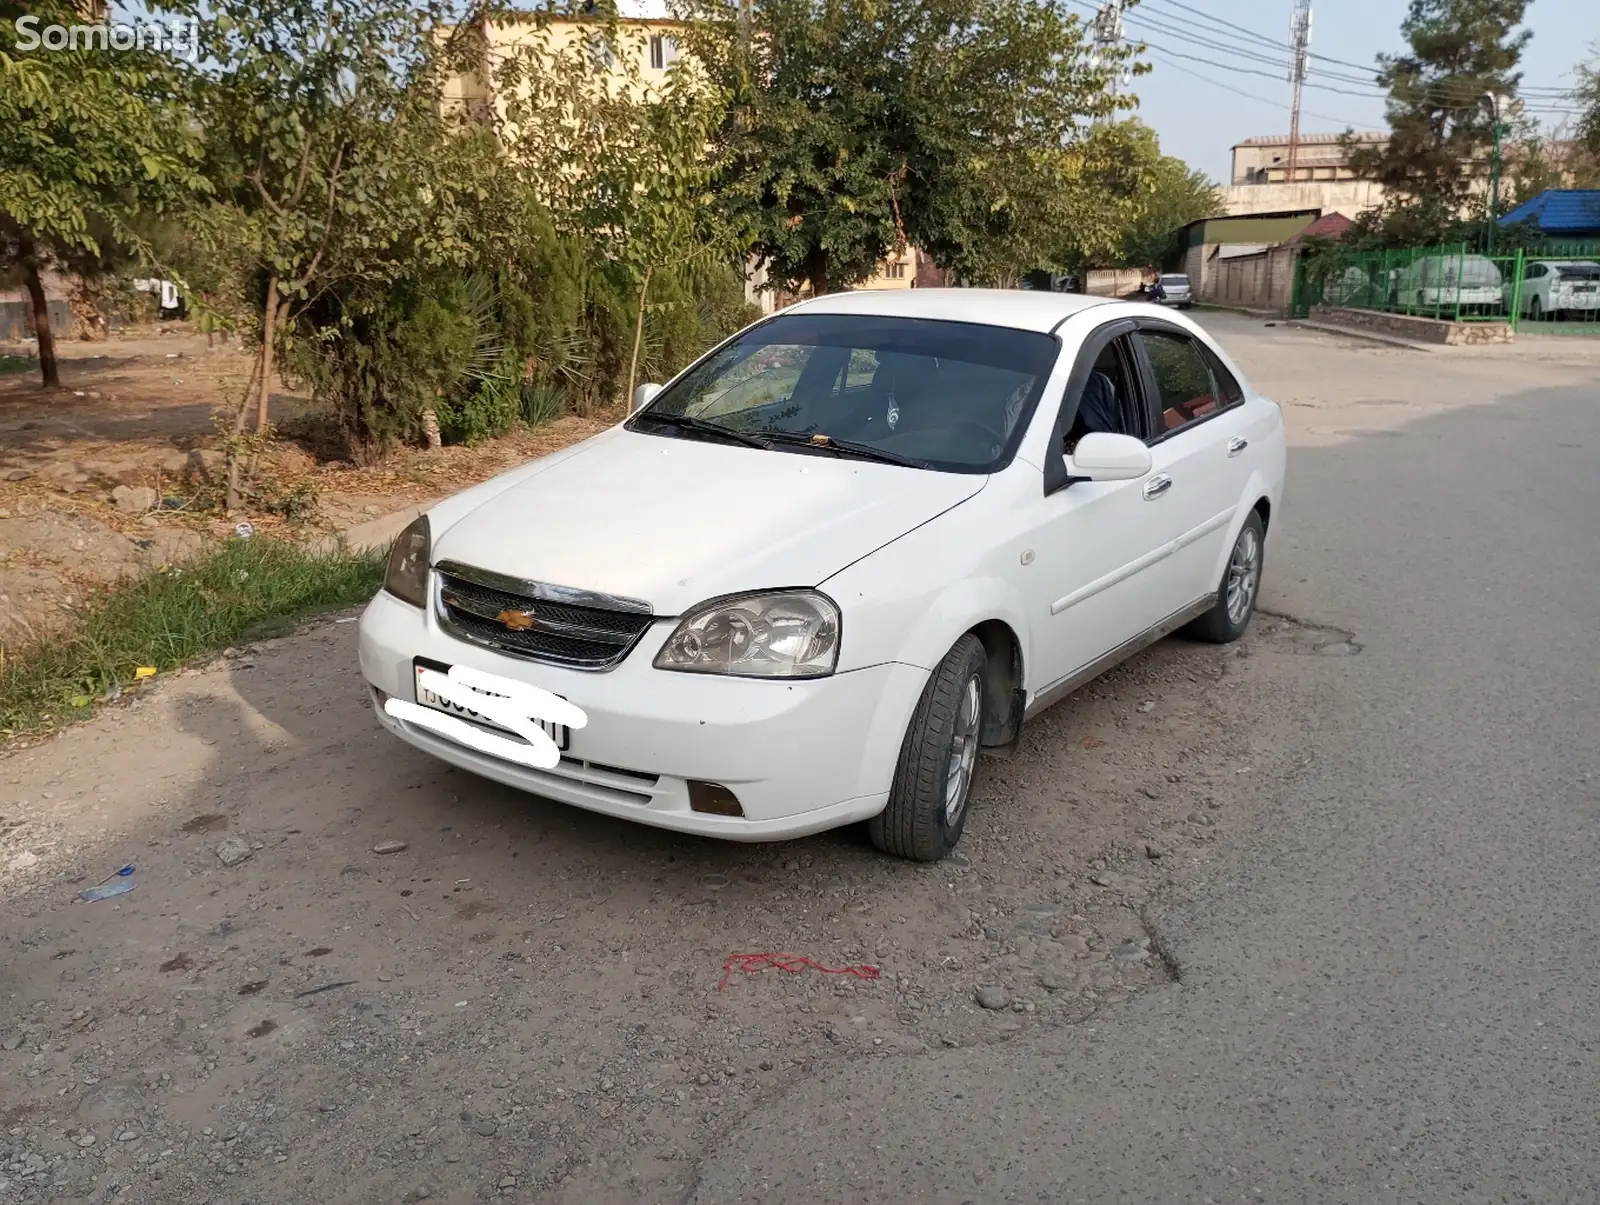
[[1113, 282], [1415, 327], [1262, 281], [16, 309], [1349, 197]]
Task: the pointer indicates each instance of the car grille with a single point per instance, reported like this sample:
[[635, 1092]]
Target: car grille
[[565, 626]]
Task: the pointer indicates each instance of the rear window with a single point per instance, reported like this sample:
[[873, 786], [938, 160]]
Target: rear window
[[1578, 271], [1175, 280]]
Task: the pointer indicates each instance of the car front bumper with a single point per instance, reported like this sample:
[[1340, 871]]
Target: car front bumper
[[800, 756]]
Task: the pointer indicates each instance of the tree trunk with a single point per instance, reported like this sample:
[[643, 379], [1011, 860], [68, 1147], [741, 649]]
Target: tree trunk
[[268, 333], [41, 313], [638, 338], [817, 271], [235, 495]]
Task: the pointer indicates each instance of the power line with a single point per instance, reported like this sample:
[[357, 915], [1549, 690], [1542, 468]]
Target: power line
[[1249, 33], [1209, 43], [1276, 104], [1369, 74]]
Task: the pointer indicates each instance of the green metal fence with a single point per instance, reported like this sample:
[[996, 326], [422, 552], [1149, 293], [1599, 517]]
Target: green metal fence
[[1550, 288], [1558, 290], [1455, 283]]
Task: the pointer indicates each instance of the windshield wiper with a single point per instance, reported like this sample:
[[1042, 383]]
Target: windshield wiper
[[685, 422], [845, 447]]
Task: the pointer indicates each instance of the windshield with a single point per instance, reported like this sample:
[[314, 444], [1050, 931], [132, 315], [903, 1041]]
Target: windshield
[[954, 395]]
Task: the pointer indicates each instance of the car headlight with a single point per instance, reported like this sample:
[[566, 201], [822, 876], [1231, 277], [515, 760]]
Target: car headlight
[[407, 575], [782, 634]]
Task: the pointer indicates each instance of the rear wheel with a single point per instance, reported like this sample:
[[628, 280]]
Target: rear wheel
[[1236, 595], [927, 808], [1536, 310]]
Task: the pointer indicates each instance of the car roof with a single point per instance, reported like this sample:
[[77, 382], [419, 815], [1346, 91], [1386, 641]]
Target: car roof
[[1021, 309]]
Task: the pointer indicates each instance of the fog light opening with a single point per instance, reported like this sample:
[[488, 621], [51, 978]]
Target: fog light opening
[[713, 798]]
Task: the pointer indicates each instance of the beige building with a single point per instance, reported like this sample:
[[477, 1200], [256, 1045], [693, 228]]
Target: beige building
[[1259, 182], [1320, 158], [631, 58]]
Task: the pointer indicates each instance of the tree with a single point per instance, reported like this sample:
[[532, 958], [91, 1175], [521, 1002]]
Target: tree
[[1170, 194], [855, 127], [1587, 94], [1440, 124], [628, 168], [94, 138], [332, 153]]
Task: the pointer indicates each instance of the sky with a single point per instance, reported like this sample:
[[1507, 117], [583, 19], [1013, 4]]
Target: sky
[[1199, 121]]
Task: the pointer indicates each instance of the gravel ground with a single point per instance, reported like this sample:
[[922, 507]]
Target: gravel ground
[[522, 1002]]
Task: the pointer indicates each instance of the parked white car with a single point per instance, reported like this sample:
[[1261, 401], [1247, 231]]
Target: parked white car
[[841, 553], [1445, 281], [1558, 287]]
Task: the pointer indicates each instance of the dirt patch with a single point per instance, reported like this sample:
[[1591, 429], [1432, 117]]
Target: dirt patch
[[210, 822], [135, 420]]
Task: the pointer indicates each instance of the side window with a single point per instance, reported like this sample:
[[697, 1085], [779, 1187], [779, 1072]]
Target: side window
[[1228, 388], [1110, 400], [1185, 389]]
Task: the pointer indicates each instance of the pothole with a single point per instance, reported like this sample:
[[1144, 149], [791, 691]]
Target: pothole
[[1286, 634]]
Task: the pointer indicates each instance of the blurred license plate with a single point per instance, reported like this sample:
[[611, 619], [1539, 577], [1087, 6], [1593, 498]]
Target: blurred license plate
[[559, 733]]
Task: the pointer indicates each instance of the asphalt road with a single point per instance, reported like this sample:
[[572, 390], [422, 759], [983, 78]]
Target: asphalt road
[[1389, 993]]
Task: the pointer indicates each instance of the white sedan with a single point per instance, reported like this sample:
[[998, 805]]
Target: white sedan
[[805, 583]]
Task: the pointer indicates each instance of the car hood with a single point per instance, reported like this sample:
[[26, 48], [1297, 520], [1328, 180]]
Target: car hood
[[676, 521]]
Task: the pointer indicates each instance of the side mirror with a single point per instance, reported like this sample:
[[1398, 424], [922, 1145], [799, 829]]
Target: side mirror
[[642, 396], [1102, 456]]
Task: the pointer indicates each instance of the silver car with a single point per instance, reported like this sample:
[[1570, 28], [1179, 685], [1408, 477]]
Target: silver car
[[1176, 288]]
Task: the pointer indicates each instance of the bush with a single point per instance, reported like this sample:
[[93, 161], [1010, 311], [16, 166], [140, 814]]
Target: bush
[[519, 339]]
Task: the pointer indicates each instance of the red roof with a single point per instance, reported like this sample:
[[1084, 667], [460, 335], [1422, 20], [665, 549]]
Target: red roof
[[1329, 225]]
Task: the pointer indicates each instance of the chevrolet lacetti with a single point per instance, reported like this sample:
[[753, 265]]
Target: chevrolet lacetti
[[810, 579]]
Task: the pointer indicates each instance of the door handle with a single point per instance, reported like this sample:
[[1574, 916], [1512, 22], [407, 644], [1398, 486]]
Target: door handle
[[1237, 444], [1157, 485]]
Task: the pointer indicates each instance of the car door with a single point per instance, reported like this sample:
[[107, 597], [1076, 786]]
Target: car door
[[1200, 463], [1090, 540]]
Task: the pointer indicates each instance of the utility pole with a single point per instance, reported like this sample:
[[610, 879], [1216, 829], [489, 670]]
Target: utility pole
[[1107, 30], [1496, 101], [1299, 39]]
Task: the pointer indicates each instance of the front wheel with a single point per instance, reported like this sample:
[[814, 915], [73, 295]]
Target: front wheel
[[1236, 595], [927, 807]]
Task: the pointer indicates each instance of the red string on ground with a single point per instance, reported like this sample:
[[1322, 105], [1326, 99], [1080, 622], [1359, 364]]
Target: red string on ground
[[753, 964]]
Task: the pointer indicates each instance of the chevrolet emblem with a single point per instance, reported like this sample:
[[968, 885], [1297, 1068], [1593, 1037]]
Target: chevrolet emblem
[[517, 621]]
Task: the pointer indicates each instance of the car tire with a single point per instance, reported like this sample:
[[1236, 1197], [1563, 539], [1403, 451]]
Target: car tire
[[932, 790], [1230, 614], [1535, 311]]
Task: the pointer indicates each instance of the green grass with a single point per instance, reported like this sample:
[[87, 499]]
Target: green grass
[[10, 363], [247, 589]]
